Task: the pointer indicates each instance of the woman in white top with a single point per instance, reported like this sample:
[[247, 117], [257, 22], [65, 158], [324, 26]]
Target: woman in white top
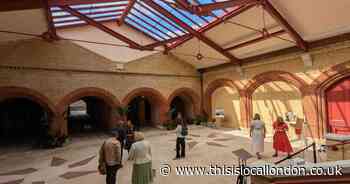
[[258, 134], [140, 153]]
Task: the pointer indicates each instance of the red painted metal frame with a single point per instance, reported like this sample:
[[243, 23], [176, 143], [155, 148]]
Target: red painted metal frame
[[286, 26], [50, 24], [126, 12], [192, 31], [253, 41], [100, 26], [161, 43], [206, 9]]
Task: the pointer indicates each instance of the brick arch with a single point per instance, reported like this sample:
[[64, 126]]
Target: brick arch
[[155, 98], [30, 94], [214, 85], [75, 95], [271, 76], [187, 93], [318, 87]]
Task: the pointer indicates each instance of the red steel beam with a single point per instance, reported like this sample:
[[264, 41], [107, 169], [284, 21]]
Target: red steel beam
[[50, 24], [79, 2], [262, 38], [126, 12], [192, 31], [161, 43], [286, 26], [206, 9], [218, 21], [102, 27]]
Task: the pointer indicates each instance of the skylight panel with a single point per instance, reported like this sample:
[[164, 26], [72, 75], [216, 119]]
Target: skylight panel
[[131, 22], [100, 4], [176, 13], [69, 23], [156, 14], [147, 26], [146, 18]]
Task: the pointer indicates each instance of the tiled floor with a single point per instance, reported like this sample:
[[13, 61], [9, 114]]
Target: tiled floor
[[77, 162]]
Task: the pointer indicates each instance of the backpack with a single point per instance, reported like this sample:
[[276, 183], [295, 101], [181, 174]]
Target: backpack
[[184, 131]]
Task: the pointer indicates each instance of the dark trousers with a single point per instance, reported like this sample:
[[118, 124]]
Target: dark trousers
[[180, 146], [111, 174]]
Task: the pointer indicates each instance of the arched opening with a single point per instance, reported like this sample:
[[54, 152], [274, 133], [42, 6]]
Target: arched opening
[[338, 107], [88, 109], [225, 107], [141, 112], [22, 121], [88, 114], [277, 98], [182, 105], [146, 107]]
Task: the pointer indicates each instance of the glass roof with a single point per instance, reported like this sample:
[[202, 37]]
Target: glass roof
[[141, 17]]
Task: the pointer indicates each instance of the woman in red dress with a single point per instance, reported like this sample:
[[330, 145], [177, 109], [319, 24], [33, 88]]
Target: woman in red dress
[[280, 139]]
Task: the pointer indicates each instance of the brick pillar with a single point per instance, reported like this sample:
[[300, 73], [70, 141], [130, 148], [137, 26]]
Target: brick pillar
[[312, 111], [163, 110], [245, 106], [58, 125]]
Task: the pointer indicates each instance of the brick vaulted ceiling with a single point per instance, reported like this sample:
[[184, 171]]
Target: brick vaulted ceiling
[[222, 31]]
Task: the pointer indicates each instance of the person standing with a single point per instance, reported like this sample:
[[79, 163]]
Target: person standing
[[110, 159], [258, 134], [141, 154], [181, 133], [280, 139], [121, 129], [130, 136]]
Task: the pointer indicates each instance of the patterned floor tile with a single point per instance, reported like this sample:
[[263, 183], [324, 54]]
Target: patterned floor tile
[[82, 162], [56, 161], [72, 175], [14, 181], [192, 144], [20, 172], [215, 144]]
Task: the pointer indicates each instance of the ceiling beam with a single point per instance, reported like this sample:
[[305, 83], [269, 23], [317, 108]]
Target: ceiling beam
[[126, 12], [286, 26], [12, 5], [206, 9], [50, 24], [192, 31], [218, 21], [256, 40], [162, 43], [102, 27]]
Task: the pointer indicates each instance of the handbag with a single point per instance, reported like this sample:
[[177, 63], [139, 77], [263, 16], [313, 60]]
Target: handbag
[[102, 167]]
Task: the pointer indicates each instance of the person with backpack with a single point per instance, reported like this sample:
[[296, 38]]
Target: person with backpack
[[181, 133]]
